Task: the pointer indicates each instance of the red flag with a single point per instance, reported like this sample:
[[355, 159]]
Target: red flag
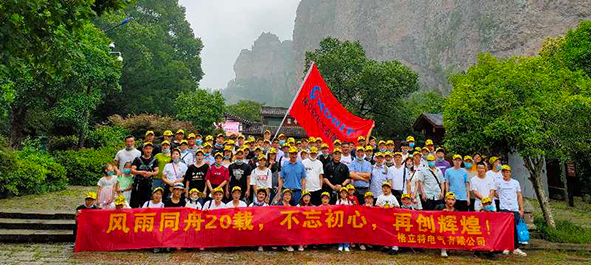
[[321, 115]]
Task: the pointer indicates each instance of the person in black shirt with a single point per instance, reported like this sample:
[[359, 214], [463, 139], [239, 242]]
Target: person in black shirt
[[195, 176], [239, 174], [144, 168], [336, 175], [177, 199], [89, 203]]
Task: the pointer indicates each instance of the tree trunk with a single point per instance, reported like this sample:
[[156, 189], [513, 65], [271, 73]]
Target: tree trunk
[[564, 180], [534, 166]]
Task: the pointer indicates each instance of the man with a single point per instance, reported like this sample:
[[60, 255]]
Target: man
[[390, 146], [198, 142], [144, 168], [209, 140], [346, 157], [324, 157], [337, 144], [149, 137], [128, 154], [495, 172], [482, 186], [285, 154], [398, 173], [281, 138], [432, 183], [361, 141], [167, 136], [178, 137], [314, 175], [450, 206], [240, 141], [360, 171], [381, 146], [369, 154], [379, 175], [336, 175], [417, 162], [239, 175], [441, 163], [267, 135], [431, 147], [293, 176], [406, 150], [511, 201], [456, 181], [388, 158], [195, 175], [411, 142], [193, 147]]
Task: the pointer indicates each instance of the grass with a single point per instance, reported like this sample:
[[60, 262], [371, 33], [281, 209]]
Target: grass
[[64, 201], [573, 224]]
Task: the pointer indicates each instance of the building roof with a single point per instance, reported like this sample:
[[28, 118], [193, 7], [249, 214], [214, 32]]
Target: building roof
[[236, 118], [267, 111], [289, 131], [435, 119]]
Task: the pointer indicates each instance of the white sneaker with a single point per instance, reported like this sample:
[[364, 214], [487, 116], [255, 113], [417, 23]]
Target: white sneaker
[[202, 249], [519, 252], [444, 253], [506, 252], [395, 248], [301, 248], [341, 249], [290, 249], [347, 249], [260, 249], [362, 247]]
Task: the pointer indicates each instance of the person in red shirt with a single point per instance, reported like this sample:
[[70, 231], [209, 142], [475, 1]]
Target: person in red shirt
[[351, 194], [217, 175]]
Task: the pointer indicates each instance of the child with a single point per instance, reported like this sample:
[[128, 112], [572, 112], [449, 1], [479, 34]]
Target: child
[[352, 198], [306, 198], [236, 202], [344, 200], [406, 202], [369, 199], [156, 201], [125, 180], [216, 203], [325, 198], [89, 203], [450, 201], [286, 202], [107, 187], [195, 200], [120, 203], [387, 200], [260, 201], [487, 205]]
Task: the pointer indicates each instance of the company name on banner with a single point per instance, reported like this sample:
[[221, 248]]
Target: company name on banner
[[319, 111], [101, 230]]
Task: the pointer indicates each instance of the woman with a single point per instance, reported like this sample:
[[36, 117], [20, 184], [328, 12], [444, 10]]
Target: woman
[[163, 158], [176, 200], [216, 203], [236, 202], [275, 167], [227, 156], [174, 171], [413, 185], [156, 201], [261, 176]]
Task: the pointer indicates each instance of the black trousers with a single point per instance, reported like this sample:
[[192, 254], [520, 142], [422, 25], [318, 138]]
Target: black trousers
[[431, 205], [398, 195], [461, 206], [360, 193], [316, 200]]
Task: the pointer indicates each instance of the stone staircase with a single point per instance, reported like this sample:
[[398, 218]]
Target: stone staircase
[[36, 227]]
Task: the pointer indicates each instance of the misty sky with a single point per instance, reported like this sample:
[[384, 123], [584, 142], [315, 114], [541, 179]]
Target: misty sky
[[228, 26]]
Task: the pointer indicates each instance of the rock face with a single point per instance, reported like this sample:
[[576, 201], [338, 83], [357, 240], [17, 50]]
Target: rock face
[[265, 73], [435, 38]]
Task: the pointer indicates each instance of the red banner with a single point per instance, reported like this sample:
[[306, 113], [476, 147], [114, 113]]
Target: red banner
[[103, 230], [321, 115]]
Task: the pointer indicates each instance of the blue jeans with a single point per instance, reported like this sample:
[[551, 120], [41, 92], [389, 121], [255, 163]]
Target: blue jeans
[[295, 196], [516, 217]]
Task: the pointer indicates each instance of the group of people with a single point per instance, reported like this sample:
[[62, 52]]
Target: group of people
[[210, 173]]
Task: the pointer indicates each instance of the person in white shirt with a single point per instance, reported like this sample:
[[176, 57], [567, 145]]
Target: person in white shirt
[[119, 203], [482, 186], [432, 184], [346, 155], [194, 201], [398, 175], [236, 202], [216, 203], [128, 154], [510, 200], [174, 171], [387, 200], [495, 172], [261, 177], [187, 156], [156, 201], [314, 175]]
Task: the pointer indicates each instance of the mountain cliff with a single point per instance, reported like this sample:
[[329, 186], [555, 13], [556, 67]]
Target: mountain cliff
[[435, 38]]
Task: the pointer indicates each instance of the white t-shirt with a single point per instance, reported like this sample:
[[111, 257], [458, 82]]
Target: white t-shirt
[[188, 158], [174, 172], [496, 176], [483, 186], [387, 200], [210, 205], [343, 202], [124, 156], [347, 160], [230, 204], [261, 178], [150, 204], [507, 192], [397, 177], [196, 205], [313, 171]]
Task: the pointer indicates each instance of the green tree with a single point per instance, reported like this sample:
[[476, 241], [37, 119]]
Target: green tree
[[200, 107], [520, 105], [161, 57], [246, 109], [367, 88]]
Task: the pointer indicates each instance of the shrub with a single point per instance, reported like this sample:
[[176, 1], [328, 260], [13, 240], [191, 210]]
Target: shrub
[[62, 142], [84, 167], [137, 125], [105, 135], [565, 232]]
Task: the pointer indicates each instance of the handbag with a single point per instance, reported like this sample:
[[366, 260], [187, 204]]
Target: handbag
[[522, 232]]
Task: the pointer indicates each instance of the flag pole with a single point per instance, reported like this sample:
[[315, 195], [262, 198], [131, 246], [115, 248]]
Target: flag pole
[[293, 101]]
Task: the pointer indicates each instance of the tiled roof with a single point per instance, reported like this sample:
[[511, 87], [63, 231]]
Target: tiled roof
[[236, 118], [435, 119], [267, 111], [289, 131]]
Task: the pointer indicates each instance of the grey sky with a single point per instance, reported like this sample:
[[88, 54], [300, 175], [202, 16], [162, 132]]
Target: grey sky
[[228, 26]]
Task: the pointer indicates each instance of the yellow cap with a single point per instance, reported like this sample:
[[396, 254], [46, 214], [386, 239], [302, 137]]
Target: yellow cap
[[431, 158], [184, 142], [378, 154], [272, 151], [325, 194], [368, 194], [360, 148], [398, 154], [206, 145], [313, 150], [180, 131], [416, 153], [425, 149], [149, 132], [218, 189], [386, 183], [312, 139], [337, 141], [337, 150], [194, 190], [381, 142], [450, 195], [456, 156], [120, 200], [350, 187], [486, 200], [388, 153], [281, 135], [390, 142], [405, 196], [343, 189], [165, 142], [209, 138], [167, 133], [466, 158], [506, 167], [290, 140], [429, 142], [410, 139], [220, 135], [304, 193], [192, 135], [240, 136], [287, 190], [91, 195], [304, 151], [148, 144], [228, 148], [323, 146], [236, 188], [199, 151], [158, 189], [230, 142], [293, 150], [267, 131], [492, 159], [440, 149], [368, 148], [360, 138], [418, 148], [262, 157]]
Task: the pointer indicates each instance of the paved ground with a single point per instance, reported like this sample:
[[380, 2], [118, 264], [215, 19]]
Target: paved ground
[[62, 254]]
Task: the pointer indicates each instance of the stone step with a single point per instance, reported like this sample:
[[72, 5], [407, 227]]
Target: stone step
[[35, 236], [44, 216], [37, 224], [539, 244]]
